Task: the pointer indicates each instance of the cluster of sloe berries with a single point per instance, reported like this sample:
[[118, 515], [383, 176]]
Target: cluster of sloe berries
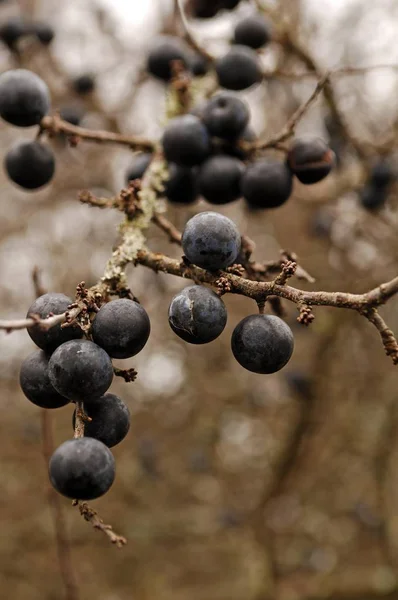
[[206, 158], [16, 28], [68, 369]]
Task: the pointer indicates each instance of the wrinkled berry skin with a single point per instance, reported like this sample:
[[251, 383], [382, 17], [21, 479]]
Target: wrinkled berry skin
[[239, 69], [186, 141], [310, 159], [50, 340], [35, 382], [181, 187], [373, 198], [82, 469], [30, 165], [110, 420], [252, 31], [138, 166], [211, 241], [80, 370], [262, 343], [219, 179], [164, 51], [121, 327], [83, 84], [197, 315], [267, 183], [225, 116], [24, 98]]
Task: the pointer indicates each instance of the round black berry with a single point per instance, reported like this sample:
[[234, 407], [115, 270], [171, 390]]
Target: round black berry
[[12, 30], [186, 141], [197, 315], [82, 469], [220, 178], [121, 328], [80, 370], [181, 187], [225, 116], [71, 114], [24, 98], [253, 31], [198, 65], [238, 69], [139, 165], [310, 159], [35, 382], [262, 343], [211, 241], [382, 174], [30, 164], [164, 51], [373, 197], [110, 420], [267, 183], [44, 306], [84, 84]]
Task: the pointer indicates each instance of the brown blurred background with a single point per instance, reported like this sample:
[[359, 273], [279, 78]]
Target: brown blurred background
[[230, 485]]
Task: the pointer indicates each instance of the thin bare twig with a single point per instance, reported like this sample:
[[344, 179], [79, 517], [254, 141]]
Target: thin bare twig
[[91, 515], [189, 36], [168, 227]]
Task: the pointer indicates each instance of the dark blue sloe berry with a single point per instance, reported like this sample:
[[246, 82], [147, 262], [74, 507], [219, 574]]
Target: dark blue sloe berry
[[197, 315], [30, 165], [211, 241], [373, 197], [80, 370], [138, 166], [382, 174], [121, 328], [44, 33], [181, 187], [82, 469], [186, 141], [239, 69], [220, 178], [44, 306], [198, 65], [267, 183], [12, 30], [163, 52], [253, 31], [110, 420], [310, 159], [71, 114], [225, 115], [83, 84], [35, 382], [24, 98], [262, 343]]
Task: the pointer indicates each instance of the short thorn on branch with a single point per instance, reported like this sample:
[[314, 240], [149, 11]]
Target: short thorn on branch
[[91, 516]]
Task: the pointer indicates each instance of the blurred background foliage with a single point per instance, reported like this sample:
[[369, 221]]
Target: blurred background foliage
[[230, 485]]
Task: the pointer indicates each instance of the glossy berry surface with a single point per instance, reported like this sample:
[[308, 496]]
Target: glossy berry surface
[[211, 241], [220, 178], [121, 328], [225, 116], [110, 420], [44, 33], [35, 382], [197, 315], [310, 159], [262, 343], [186, 141], [82, 469], [267, 183], [252, 31], [83, 84], [138, 166], [164, 51], [80, 370], [24, 98], [181, 187], [30, 165], [45, 305], [239, 69]]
